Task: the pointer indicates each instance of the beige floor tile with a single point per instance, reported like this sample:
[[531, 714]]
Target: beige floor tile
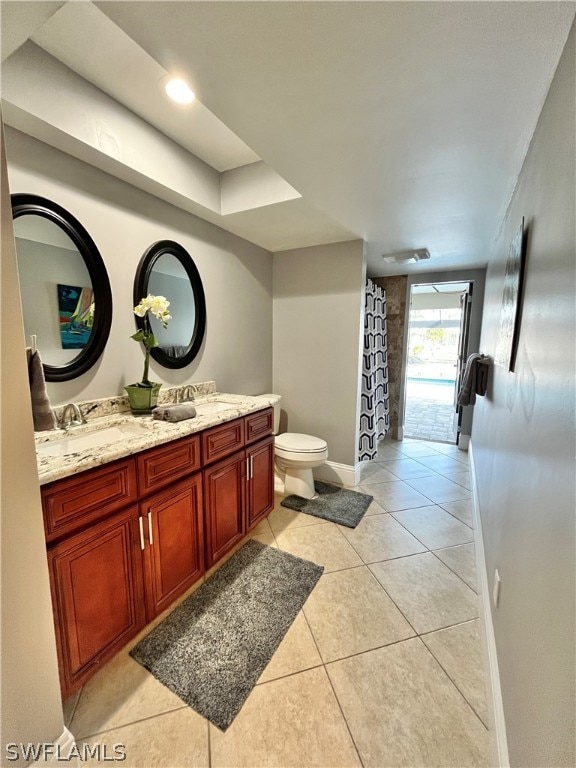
[[434, 527], [349, 612], [441, 463], [406, 468], [296, 652], [461, 560], [380, 537], [415, 450], [427, 592], [322, 544], [173, 740], [264, 538], [387, 451], [374, 508], [398, 495], [450, 449], [461, 509], [284, 519], [294, 721], [262, 528], [375, 473], [462, 478], [403, 710], [458, 651], [121, 692], [438, 489]]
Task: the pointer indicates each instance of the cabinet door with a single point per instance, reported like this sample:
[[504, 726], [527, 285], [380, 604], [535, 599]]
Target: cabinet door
[[96, 581], [173, 553], [224, 506], [260, 483]]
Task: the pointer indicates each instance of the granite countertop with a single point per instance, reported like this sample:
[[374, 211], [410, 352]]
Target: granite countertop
[[141, 433]]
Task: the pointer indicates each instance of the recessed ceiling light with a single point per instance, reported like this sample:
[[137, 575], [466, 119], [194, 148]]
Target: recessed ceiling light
[[416, 254], [179, 91]]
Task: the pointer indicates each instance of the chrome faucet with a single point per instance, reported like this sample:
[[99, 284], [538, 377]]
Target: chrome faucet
[[71, 416]]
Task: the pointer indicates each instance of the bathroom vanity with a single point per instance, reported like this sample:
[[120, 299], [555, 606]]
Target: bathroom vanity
[[133, 525]]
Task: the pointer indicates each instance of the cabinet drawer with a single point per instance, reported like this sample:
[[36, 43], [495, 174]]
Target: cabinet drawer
[[161, 466], [223, 440], [79, 500], [259, 425]]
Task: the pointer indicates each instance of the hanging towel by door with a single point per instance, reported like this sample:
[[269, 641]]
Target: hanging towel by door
[[41, 411], [475, 380]]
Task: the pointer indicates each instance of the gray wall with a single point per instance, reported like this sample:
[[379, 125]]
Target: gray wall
[[124, 222], [318, 321], [40, 268], [30, 691], [523, 447]]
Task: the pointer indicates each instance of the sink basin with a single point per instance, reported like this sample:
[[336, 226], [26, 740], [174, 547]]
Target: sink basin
[[88, 440], [207, 409]]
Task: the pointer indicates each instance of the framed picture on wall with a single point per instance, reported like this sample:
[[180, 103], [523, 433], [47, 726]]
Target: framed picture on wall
[[509, 330], [75, 315]]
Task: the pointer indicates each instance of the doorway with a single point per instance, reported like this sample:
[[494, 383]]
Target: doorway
[[438, 329]]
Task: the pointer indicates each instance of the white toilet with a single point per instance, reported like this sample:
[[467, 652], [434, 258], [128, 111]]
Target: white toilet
[[296, 456]]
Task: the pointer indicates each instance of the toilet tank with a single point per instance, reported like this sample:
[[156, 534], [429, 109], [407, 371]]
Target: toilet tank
[[275, 400]]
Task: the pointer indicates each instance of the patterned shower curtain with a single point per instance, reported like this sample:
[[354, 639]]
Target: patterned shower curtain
[[374, 415]]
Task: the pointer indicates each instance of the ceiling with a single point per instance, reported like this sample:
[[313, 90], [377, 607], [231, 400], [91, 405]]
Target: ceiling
[[401, 123]]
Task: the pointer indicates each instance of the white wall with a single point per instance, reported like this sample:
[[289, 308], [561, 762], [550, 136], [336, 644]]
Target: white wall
[[523, 443], [30, 691], [318, 325], [124, 221]]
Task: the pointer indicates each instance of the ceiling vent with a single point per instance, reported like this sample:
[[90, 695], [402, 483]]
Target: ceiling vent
[[415, 254]]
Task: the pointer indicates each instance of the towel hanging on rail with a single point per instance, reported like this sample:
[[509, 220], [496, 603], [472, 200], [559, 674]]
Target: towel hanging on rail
[[475, 379]]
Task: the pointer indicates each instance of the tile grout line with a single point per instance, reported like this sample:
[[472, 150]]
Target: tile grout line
[[323, 665], [209, 743], [452, 569], [431, 652], [134, 722]]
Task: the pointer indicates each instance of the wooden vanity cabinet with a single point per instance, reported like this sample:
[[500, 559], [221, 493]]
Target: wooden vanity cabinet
[[238, 489], [224, 506], [97, 595], [260, 482], [172, 543], [127, 538]]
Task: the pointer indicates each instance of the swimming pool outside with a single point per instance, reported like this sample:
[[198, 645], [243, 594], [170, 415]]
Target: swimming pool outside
[[430, 413]]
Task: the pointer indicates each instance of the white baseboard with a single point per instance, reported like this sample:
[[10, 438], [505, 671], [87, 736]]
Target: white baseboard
[[342, 474], [62, 747], [497, 722], [463, 442]]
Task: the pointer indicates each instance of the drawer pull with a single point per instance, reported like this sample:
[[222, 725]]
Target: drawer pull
[[150, 536], [141, 532], [251, 467]]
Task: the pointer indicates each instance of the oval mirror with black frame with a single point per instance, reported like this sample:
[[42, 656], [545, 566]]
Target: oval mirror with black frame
[[64, 286], [167, 269]]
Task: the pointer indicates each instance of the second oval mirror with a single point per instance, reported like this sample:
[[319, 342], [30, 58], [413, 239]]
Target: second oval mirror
[[167, 269]]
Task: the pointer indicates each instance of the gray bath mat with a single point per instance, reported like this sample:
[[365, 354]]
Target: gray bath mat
[[212, 649], [338, 505]]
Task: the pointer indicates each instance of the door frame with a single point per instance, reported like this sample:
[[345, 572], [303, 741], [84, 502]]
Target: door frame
[[463, 345]]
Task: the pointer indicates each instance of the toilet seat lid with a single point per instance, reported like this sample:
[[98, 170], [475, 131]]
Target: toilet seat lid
[[294, 441]]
